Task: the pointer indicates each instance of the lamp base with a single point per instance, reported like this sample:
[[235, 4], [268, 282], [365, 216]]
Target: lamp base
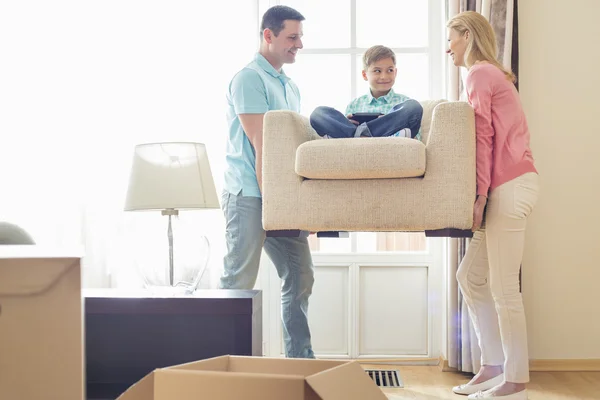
[[174, 264]]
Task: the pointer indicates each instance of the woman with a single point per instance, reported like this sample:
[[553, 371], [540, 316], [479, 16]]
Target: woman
[[507, 190]]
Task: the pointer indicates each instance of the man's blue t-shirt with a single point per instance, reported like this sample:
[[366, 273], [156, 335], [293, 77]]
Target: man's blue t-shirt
[[256, 89]]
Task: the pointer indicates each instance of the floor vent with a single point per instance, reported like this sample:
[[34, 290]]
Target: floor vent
[[386, 377]]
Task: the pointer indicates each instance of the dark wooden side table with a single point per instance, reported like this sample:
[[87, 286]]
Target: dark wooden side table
[[129, 334]]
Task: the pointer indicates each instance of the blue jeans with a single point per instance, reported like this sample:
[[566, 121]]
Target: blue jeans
[[245, 239], [331, 122]]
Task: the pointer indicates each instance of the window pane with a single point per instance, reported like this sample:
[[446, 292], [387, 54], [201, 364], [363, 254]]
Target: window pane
[[327, 23], [323, 80], [372, 242], [392, 23], [412, 79], [329, 245]]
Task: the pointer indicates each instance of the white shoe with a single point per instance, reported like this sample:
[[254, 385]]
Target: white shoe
[[522, 395], [479, 387], [403, 133]]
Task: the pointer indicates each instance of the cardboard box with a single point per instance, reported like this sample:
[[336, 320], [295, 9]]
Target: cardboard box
[[41, 325], [257, 378]]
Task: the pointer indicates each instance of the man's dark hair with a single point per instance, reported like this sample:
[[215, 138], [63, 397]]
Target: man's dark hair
[[275, 17]]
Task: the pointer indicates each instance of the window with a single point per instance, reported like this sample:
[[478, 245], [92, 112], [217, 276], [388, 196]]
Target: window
[[82, 84], [328, 72]]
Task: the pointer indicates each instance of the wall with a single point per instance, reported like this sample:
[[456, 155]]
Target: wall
[[559, 84]]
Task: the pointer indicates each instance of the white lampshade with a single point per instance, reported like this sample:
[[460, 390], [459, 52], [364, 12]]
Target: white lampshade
[[170, 175]]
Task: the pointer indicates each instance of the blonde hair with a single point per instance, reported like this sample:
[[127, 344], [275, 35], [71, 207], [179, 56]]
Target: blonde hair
[[481, 45], [376, 53]]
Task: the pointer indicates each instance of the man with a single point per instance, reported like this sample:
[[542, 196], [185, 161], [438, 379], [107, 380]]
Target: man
[[259, 87]]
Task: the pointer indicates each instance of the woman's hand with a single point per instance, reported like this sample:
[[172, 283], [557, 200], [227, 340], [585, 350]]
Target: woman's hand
[[478, 210]]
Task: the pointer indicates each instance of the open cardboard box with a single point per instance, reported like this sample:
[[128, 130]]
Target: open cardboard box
[[41, 324], [257, 378]]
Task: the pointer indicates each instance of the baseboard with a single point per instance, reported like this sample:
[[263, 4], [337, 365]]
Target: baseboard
[[566, 365], [445, 367]]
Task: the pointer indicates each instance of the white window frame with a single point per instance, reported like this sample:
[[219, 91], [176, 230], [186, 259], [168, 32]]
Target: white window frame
[[434, 49]]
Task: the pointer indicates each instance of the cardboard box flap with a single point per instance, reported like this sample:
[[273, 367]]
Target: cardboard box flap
[[141, 390], [346, 382], [195, 385], [210, 364], [280, 366], [32, 276]]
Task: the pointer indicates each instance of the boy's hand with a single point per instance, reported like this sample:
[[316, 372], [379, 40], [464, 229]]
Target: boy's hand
[[349, 116]]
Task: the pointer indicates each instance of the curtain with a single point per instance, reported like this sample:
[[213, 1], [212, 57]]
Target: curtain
[[82, 84], [463, 349]]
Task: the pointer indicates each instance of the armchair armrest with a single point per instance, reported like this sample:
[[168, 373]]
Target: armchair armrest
[[451, 157], [450, 145], [283, 132]]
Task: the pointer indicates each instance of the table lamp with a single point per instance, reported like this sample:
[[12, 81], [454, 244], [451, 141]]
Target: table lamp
[[171, 177]]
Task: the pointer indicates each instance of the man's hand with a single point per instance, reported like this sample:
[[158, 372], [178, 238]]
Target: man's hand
[[349, 116], [478, 210]]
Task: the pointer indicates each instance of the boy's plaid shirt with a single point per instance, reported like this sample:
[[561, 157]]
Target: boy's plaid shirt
[[384, 104]]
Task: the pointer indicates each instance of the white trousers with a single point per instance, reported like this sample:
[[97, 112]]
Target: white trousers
[[488, 277]]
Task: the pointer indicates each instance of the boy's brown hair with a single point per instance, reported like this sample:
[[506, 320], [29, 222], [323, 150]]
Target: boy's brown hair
[[376, 53]]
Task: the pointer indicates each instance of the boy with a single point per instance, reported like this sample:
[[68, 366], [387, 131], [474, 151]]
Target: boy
[[402, 115]]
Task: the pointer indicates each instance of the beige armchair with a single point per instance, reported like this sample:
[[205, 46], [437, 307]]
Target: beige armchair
[[371, 184]]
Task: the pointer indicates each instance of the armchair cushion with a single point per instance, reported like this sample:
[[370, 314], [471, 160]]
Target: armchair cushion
[[364, 158]]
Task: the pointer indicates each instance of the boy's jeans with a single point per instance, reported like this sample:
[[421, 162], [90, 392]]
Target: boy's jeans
[[329, 121], [245, 238]]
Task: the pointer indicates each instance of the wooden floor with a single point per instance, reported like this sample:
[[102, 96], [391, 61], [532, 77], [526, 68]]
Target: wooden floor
[[428, 382]]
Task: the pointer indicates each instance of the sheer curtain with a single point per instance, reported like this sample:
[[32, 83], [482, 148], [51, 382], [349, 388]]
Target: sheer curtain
[[81, 83], [464, 353]]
